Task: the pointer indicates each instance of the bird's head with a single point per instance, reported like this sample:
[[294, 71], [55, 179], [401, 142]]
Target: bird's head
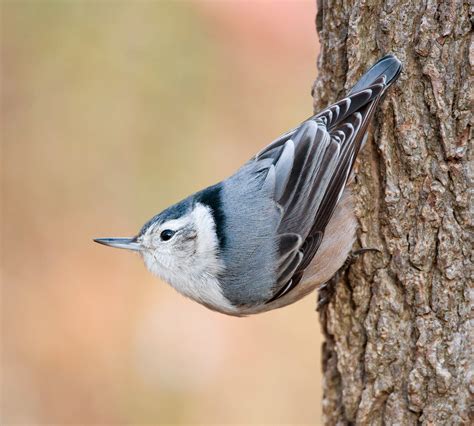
[[179, 244]]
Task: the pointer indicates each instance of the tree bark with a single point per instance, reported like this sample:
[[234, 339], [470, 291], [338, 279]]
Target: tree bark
[[398, 344]]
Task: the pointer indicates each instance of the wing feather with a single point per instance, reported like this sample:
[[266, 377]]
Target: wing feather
[[312, 166], [283, 168]]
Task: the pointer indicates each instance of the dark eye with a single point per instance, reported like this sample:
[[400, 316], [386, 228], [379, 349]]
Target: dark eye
[[166, 234]]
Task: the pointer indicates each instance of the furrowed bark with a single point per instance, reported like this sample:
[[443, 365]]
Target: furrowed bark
[[398, 344]]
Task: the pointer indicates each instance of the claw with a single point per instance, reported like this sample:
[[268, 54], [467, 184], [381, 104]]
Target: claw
[[327, 290], [365, 250]]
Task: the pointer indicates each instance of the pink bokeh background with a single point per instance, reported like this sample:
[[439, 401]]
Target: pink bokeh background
[[111, 111]]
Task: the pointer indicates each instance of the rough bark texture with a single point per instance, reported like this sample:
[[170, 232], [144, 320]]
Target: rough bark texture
[[398, 344]]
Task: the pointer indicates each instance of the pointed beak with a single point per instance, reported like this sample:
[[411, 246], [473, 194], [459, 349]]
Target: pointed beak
[[123, 243]]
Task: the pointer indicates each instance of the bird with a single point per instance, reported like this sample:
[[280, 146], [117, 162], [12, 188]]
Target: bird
[[279, 227]]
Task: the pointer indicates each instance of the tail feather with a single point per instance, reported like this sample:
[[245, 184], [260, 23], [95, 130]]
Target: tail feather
[[389, 67]]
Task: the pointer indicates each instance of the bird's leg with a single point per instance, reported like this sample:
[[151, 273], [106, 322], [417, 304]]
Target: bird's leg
[[327, 290]]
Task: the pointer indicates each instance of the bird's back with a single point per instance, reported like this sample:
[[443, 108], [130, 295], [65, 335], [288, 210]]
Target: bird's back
[[251, 222]]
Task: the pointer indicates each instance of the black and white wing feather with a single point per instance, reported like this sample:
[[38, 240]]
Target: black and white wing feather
[[310, 168]]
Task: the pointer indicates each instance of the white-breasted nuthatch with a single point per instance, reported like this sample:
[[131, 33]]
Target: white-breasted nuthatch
[[278, 228]]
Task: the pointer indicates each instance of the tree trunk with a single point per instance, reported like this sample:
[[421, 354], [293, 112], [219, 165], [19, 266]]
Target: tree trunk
[[398, 344]]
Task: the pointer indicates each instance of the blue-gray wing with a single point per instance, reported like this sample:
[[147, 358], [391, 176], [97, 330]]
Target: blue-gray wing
[[310, 167]]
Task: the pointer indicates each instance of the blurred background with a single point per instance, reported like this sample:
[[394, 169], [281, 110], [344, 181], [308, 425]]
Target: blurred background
[[111, 111]]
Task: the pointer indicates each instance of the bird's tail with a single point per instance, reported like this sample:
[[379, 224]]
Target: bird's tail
[[389, 66]]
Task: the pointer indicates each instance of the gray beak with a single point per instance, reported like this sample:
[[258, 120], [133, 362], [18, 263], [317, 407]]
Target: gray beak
[[123, 243]]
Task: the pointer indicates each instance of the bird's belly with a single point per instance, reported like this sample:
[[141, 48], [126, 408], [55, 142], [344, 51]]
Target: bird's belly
[[336, 246]]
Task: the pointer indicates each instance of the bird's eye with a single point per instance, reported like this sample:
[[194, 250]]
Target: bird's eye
[[167, 234]]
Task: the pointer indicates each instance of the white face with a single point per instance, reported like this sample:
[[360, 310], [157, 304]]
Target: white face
[[184, 251], [165, 247]]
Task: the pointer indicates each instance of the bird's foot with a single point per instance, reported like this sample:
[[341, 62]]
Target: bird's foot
[[327, 290]]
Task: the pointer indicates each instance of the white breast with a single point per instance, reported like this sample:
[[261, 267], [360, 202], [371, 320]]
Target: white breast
[[195, 274]]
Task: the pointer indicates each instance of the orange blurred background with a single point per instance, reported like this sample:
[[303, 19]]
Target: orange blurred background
[[111, 111]]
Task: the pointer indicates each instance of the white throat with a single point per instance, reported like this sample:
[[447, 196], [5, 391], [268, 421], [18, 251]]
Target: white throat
[[194, 272]]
